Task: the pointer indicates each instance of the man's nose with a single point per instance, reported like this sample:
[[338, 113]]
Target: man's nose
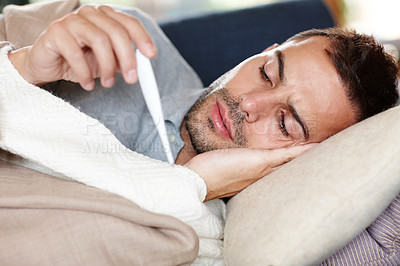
[[257, 104]]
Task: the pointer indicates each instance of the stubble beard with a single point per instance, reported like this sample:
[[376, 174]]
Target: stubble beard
[[198, 122]]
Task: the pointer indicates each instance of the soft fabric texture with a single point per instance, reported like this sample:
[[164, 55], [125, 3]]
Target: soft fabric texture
[[50, 132], [49, 221], [313, 206], [379, 244], [21, 25]]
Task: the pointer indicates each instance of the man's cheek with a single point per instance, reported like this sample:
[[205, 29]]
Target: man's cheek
[[261, 129]]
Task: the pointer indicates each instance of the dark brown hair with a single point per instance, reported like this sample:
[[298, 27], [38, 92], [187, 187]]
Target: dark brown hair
[[367, 72]]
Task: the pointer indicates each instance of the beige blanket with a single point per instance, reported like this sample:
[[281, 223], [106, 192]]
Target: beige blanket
[[50, 221], [21, 25]]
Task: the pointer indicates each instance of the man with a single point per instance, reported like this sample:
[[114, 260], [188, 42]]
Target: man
[[288, 96], [277, 103]]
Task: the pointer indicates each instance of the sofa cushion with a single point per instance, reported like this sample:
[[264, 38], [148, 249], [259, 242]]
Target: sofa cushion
[[314, 205]]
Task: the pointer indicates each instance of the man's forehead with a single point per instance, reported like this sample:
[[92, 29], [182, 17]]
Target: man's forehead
[[318, 92], [308, 42]]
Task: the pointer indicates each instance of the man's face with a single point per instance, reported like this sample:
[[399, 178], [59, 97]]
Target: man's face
[[287, 95]]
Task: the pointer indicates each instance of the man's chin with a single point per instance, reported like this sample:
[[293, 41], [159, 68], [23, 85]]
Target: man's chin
[[211, 144]]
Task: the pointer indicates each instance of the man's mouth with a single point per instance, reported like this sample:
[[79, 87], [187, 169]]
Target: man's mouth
[[221, 120]]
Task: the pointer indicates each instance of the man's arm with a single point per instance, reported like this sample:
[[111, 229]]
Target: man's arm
[[91, 42]]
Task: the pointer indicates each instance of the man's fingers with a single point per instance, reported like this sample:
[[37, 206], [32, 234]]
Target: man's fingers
[[111, 40], [119, 38], [228, 171], [89, 43], [136, 31], [88, 35], [71, 51], [104, 56], [281, 156]]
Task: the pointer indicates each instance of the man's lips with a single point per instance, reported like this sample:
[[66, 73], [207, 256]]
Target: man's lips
[[221, 120]]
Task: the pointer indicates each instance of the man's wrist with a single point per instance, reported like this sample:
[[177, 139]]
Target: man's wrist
[[18, 59]]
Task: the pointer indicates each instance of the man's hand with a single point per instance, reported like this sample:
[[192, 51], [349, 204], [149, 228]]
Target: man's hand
[[227, 172], [91, 42]]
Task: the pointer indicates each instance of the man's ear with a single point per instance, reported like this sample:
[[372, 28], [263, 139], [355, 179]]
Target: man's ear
[[271, 47]]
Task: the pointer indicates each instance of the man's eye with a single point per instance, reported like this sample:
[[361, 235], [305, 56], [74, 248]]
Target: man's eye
[[264, 75], [282, 125]]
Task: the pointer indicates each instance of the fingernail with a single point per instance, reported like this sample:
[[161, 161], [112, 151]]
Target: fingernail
[[131, 76], [150, 49], [108, 82], [89, 86]]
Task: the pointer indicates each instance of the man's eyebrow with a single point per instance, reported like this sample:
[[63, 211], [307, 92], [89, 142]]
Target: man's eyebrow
[[281, 64], [300, 121]]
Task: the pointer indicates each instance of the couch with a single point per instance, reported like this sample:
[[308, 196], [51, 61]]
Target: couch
[[308, 212]]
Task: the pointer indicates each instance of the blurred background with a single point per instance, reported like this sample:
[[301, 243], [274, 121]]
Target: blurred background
[[368, 16]]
